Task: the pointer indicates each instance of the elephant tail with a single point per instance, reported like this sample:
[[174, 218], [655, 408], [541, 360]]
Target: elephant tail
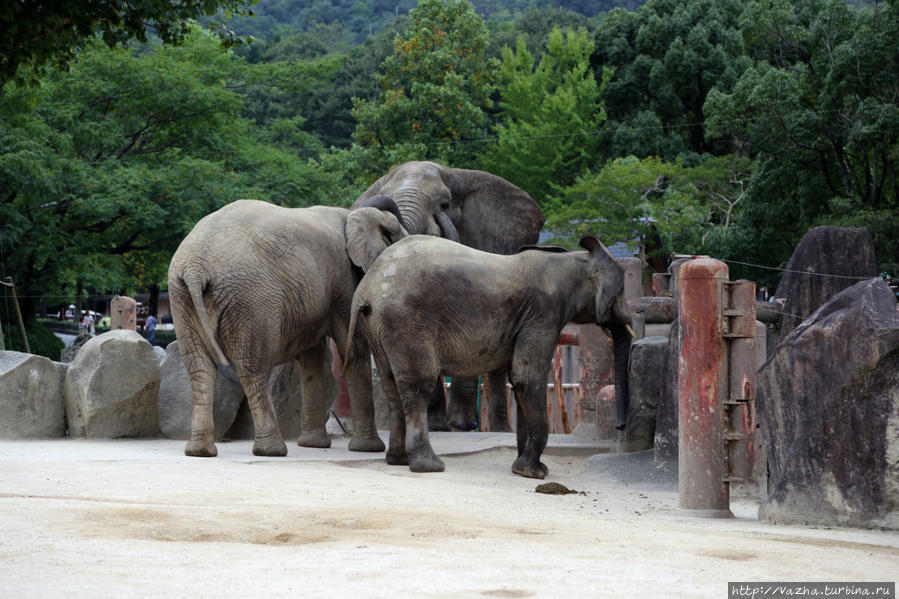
[[195, 284], [359, 305]]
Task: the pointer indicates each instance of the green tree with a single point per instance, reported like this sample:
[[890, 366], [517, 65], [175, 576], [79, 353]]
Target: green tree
[[550, 115], [106, 166], [819, 108], [666, 58], [434, 88], [39, 32]]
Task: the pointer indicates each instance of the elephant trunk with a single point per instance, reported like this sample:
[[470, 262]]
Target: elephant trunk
[[621, 339], [447, 227]]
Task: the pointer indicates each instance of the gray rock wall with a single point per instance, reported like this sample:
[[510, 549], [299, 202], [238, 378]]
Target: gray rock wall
[[32, 397]]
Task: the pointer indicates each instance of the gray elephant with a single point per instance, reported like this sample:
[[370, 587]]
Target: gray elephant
[[254, 285], [430, 307], [479, 210]]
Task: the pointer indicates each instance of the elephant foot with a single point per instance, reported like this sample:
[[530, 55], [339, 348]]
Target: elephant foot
[[397, 458], [425, 460], [201, 449], [529, 468], [372, 444], [270, 447], [437, 422], [318, 439], [464, 426]]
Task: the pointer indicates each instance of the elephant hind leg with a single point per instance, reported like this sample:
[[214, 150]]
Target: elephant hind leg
[[498, 411], [201, 370], [396, 444], [414, 393], [268, 440]]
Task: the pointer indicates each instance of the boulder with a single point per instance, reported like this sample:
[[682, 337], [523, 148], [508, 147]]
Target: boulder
[[32, 397], [839, 256], [68, 354], [828, 409], [176, 402], [645, 381], [112, 388], [665, 447]]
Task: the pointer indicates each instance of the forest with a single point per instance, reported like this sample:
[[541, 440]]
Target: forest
[[730, 126]]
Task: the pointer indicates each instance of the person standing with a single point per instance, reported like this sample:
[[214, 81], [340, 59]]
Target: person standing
[[151, 329]]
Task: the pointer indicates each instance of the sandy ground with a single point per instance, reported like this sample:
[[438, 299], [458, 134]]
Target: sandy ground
[[139, 519]]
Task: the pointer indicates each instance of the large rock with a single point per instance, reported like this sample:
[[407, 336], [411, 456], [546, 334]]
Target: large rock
[[176, 402], [112, 388], [839, 257], [665, 445], [645, 382], [828, 406], [32, 397], [68, 354]]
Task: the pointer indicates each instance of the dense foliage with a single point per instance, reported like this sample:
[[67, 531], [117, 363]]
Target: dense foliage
[[724, 127]]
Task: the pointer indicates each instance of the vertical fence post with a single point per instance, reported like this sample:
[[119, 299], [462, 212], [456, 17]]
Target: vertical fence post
[[740, 332], [702, 386], [15, 303]]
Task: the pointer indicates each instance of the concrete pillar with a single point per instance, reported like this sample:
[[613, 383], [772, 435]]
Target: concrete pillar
[[702, 385], [123, 313]]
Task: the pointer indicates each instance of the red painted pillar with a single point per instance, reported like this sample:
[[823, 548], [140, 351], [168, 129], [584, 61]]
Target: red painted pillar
[[702, 387]]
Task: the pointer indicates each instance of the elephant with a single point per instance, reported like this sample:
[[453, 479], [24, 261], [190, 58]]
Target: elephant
[[477, 209], [254, 285], [430, 307]]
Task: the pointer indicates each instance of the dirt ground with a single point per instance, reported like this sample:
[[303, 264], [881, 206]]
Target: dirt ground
[[139, 519]]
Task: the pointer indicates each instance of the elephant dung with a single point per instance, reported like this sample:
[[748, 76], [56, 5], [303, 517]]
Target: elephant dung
[[645, 382], [828, 407], [112, 388], [176, 398], [32, 392]]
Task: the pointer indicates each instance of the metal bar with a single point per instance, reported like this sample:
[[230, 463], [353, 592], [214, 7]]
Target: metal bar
[[15, 303]]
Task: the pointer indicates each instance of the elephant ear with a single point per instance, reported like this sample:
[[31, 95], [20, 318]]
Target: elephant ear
[[497, 216], [368, 232]]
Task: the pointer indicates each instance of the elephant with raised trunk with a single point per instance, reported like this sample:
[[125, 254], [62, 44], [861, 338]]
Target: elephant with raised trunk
[[479, 210], [430, 307], [254, 285]]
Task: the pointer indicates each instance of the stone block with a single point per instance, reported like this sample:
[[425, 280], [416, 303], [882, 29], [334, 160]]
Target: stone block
[[32, 397], [645, 382], [112, 388], [828, 409]]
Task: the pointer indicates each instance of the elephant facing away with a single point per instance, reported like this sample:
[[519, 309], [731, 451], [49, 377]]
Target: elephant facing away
[[430, 307], [254, 285], [477, 209]]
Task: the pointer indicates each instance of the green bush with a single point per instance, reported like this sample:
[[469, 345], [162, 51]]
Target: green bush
[[41, 341]]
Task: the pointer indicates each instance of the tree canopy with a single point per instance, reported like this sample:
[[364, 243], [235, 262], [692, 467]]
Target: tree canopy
[[34, 33]]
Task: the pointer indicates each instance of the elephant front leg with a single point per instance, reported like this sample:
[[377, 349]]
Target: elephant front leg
[[414, 396], [498, 411], [463, 404], [437, 416], [315, 408], [532, 429]]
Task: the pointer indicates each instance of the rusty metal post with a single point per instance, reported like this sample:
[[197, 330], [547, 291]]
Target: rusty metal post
[[739, 330], [702, 386]]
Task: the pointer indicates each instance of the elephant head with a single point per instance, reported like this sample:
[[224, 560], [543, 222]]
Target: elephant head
[[370, 228], [472, 207], [612, 312]]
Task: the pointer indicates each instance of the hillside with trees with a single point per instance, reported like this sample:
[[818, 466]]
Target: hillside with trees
[[734, 127]]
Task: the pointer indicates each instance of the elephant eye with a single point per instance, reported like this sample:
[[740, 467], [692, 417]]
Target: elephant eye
[[444, 206]]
